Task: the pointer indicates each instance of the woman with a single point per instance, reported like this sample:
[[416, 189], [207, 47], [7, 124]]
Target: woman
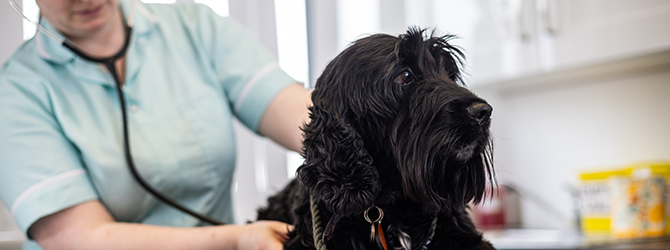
[[186, 74]]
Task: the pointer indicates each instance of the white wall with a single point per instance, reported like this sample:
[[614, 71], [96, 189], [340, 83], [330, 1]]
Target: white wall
[[12, 31], [546, 134]]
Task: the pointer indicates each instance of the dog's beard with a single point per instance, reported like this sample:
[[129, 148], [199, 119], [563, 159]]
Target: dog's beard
[[444, 158]]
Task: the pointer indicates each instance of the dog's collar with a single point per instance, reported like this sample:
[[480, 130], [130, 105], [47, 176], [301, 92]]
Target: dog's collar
[[405, 240], [378, 236], [377, 230]]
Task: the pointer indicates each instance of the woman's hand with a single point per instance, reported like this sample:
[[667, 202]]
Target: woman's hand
[[89, 226], [267, 235]]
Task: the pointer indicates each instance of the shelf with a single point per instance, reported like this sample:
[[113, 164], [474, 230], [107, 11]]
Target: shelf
[[611, 69]]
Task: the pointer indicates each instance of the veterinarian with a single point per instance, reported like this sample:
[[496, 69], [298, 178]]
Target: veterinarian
[[184, 74]]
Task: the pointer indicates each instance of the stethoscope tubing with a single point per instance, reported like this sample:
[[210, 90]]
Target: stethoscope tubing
[[110, 64]]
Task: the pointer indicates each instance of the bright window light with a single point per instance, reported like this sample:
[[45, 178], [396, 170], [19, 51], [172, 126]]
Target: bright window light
[[221, 7], [31, 11], [293, 162], [292, 38], [357, 19], [291, 23]]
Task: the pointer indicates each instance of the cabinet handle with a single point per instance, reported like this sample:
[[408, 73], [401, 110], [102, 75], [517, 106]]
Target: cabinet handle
[[526, 18], [549, 11]]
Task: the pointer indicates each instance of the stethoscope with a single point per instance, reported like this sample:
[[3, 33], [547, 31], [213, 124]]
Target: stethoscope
[[110, 64]]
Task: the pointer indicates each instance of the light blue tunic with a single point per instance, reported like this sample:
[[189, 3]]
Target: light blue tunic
[[188, 73]]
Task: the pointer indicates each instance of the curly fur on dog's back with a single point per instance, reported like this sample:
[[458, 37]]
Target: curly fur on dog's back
[[393, 127]]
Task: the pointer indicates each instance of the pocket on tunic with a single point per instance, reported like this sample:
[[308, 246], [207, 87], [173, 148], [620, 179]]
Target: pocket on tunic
[[210, 119]]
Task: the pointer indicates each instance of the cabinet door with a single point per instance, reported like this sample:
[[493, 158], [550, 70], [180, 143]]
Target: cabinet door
[[519, 38], [504, 44], [596, 31]]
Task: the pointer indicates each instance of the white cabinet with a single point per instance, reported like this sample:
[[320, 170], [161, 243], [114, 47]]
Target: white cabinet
[[519, 38]]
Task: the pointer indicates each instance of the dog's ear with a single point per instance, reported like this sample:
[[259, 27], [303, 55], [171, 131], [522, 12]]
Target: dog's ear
[[338, 170], [449, 57], [412, 48], [446, 57]]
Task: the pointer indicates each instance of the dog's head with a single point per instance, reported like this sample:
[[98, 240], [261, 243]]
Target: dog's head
[[391, 119]]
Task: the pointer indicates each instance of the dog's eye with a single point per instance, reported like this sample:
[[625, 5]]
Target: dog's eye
[[404, 78]]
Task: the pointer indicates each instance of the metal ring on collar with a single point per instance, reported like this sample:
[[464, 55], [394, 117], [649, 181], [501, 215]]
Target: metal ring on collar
[[381, 215]]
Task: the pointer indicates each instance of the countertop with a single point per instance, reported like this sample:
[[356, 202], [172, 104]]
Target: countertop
[[556, 239]]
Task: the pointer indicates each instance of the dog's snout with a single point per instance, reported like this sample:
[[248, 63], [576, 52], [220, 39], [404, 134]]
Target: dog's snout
[[479, 111]]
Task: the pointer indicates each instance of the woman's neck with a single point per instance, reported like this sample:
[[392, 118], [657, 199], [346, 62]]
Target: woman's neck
[[106, 41]]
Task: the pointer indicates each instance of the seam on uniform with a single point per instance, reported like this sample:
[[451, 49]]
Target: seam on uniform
[[252, 82], [40, 47], [139, 7], [44, 184]]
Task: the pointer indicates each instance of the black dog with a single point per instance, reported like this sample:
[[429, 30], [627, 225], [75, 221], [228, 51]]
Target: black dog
[[395, 150]]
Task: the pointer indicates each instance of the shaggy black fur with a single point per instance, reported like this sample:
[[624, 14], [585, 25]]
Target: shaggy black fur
[[392, 127]]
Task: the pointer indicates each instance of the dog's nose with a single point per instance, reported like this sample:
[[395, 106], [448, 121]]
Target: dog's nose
[[479, 111]]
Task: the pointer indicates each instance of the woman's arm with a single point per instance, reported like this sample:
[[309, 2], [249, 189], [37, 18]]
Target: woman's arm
[[285, 115], [90, 226]]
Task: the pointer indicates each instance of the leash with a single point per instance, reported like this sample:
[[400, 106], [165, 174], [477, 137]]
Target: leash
[[316, 224], [376, 229]]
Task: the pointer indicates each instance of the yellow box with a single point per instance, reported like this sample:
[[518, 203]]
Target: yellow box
[[595, 201], [626, 202]]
